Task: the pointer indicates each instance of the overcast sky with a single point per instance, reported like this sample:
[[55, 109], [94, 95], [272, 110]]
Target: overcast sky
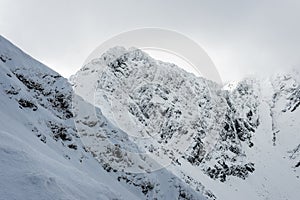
[[241, 37]]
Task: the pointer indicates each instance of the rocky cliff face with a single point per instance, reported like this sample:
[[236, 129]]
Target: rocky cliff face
[[177, 113], [180, 120]]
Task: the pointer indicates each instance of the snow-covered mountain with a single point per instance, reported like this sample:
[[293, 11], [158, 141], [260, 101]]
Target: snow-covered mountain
[[236, 140], [42, 155], [136, 128]]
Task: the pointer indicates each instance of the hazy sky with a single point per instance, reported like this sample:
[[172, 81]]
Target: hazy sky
[[241, 37]]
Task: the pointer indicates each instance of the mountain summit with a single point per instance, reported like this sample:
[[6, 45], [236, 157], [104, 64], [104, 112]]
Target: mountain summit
[[209, 135]]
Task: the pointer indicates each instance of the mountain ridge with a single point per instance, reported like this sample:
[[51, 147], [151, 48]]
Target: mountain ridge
[[187, 137]]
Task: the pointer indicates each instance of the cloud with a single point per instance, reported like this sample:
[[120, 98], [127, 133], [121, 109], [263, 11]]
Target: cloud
[[242, 37]]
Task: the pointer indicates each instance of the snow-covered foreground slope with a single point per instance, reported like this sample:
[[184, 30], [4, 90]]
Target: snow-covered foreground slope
[[41, 156]]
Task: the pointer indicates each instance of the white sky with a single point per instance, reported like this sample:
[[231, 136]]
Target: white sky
[[241, 37]]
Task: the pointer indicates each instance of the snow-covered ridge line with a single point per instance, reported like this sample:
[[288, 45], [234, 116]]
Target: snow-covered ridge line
[[41, 154], [37, 103]]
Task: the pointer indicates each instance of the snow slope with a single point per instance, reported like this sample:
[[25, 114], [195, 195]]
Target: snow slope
[[38, 159]]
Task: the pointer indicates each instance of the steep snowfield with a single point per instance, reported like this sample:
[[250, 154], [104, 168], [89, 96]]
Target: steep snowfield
[[37, 159]]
